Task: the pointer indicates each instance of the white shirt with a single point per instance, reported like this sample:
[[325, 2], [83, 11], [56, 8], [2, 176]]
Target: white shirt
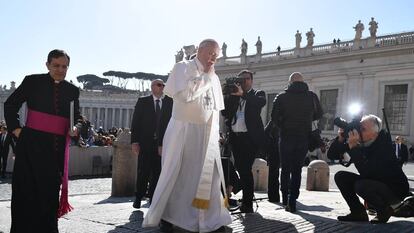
[[155, 101], [397, 145], [240, 125]]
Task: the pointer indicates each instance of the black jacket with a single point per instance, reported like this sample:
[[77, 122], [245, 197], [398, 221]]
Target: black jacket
[[376, 162], [295, 109], [144, 123], [255, 100], [403, 153]]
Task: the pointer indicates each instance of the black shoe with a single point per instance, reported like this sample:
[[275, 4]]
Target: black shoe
[[354, 217], [291, 207], [166, 227], [233, 202], [137, 203], [371, 212], [382, 216], [246, 209]]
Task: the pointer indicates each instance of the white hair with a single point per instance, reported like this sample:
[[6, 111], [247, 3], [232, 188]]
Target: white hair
[[208, 42], [376, 121]]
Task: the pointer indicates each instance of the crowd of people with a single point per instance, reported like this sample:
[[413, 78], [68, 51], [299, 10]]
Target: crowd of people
[[176, 135], [90, 136]]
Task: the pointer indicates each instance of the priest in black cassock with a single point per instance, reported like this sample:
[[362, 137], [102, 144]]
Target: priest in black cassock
[[41, 160]]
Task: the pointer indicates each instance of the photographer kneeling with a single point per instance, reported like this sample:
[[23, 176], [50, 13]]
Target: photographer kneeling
[[381, 181]]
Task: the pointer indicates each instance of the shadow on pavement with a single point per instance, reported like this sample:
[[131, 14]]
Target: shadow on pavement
[[114, 200], [320, 208], [134, 224], [255, 222], [7, 180], [323, 224]]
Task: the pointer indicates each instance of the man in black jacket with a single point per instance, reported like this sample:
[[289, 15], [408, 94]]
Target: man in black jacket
[[293, 112], [150, 119], [6, 140], [242, 114], [381, 181], [400, 150]]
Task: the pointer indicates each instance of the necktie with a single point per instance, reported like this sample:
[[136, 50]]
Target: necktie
[[157, 116]]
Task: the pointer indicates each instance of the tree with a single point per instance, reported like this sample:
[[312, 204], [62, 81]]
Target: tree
[[90, 81]]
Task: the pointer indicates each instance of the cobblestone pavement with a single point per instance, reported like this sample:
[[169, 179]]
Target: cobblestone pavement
[[95, 211]]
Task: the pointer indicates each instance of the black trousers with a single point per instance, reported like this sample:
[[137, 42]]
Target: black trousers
[[376, 193], [273, 160], [293, 150], [3, 162], [230, 175], [244, 154], [148, 171]]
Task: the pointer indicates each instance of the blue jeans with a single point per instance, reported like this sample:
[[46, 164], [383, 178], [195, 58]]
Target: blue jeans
[[293, 150]]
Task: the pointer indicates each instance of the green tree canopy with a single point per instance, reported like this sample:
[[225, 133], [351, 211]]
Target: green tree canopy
[[137, 75], [90, 80]]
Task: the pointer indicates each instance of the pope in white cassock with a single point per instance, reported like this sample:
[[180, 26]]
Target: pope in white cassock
[[188, 192]]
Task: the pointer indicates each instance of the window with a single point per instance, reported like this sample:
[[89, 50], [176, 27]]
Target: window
[[328, 100], [395, 104]]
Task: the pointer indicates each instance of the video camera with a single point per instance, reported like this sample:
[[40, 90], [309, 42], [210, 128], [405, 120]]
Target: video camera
[[230, 85], [355, 123]]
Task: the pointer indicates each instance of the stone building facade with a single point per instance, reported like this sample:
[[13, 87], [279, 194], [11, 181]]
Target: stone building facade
[[375, 72], [102, 108]]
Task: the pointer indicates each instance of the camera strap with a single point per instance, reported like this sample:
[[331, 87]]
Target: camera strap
[[242, 104]]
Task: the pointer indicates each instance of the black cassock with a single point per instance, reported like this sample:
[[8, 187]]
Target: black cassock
[[38, 167]]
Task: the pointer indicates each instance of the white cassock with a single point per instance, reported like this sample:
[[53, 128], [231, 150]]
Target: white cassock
[[188, 191]]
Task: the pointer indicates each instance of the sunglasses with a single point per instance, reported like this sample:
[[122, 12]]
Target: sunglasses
[[159, 85]]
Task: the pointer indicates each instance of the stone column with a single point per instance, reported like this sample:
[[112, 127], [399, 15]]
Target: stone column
[[106, 118], [260, 172], [124, 166], [2, 110], [120, 118], [318, 176], [90, 114], [127, 123], [113, 118], [98, 120]]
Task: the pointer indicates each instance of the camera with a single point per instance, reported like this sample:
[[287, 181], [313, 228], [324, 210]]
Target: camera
[[348, 126], [230, 85]]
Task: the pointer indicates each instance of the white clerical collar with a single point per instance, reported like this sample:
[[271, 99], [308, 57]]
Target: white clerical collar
[[156, 98], [200, 66]]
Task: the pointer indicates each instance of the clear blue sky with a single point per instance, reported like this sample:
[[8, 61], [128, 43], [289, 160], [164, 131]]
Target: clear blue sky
[[144, 36]]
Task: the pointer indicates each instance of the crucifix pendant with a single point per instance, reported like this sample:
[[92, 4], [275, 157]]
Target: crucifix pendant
[[207, 99]]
